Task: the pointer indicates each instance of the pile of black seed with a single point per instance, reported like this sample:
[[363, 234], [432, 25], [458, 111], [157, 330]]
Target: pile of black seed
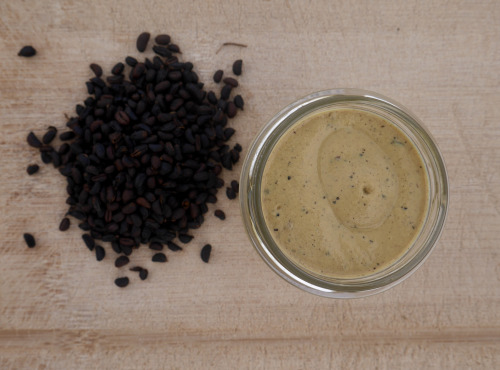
[[143, 155]]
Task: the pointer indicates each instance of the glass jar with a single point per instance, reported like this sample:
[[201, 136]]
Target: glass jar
[[250, 193]]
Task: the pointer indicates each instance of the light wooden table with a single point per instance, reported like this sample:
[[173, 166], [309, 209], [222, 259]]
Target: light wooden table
[[59, 307]]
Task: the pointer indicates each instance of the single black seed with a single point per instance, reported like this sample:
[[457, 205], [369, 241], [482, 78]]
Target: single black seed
[[159, 257], [231, 194], [32, 168], [122, 282], [121, 261], [230, 81], [162, 39], [237, 65], [231, 109], [89, 241], [156, 246], [131, 61], [135, 268], [238, 101], [143, 274], [33, 140], [205, 253], [27, 51], [185, 238], [30, 240], [235, 186], [173, 247], [220, 214], [64, 225], [49, 135], [100, 253], [142, 41], [118, 68], [96, 68], [218, 75], [69, 135]]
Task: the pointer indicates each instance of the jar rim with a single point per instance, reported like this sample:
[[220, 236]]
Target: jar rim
[[250, 194]]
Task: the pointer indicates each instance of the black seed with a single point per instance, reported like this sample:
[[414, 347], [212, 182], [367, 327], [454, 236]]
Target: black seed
[[64, 225], [205, 253], [135, 268], [162, 39], [218, 75], [231, 194], [225, 92], [231, 109], [159, 257], [142, 41], [235, 186], [230, 81], [100, 253], [162, 51], [89, 241], [30, 240], [131, 61], [143, 274], [33, 140], [118, 68], [156, 246], [185, 238], [27, 51], [122, 282], [238, 101], [220, 214], [96, 68], [67, 135], [237, 67], [32, 168], [173, 247], [49, 135], [121, 261]]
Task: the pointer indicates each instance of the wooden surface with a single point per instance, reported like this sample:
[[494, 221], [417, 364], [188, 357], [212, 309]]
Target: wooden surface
[[58, 306]]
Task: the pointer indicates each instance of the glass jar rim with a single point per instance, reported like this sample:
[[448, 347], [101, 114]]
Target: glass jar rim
[[250, 194]]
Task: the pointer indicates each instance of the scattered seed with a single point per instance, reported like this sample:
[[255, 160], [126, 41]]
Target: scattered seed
[[162, 39], [32, 169], [230, 81], [235, 186], [122, 282], [89, 241], [33, 140], [96, 68], [30, 240], [159, 257], [173, 247], [100, 253], [121, 261], [27, 51], [142, 41], [231, 194], [49, 135], [185, 238], [64, 225], [218, 75], [143, 274], [220, 214], [238, 101], [135, 268], [155, 246], [237, 65], [205, 253]]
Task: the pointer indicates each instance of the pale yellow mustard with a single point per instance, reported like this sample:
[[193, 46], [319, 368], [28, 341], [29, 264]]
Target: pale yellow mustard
[[344, 193]]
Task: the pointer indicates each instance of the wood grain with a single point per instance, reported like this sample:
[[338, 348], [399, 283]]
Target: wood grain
[[58, 306]]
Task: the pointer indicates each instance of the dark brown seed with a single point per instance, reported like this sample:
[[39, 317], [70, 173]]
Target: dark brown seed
[[142, 41], [67, 135], [89, 241], [173, 247], [33, 140], [205, 253], [96, 68], [231, 109], [156, 246], [220, 214], [174, 48], [185, 238], [159, 257], [143, 274], [131, 61], [121, 261], [238, 101], [162, 39], [118, 68], [135, 268], [122, 282], [218, 75], [30, 240], [237, 67], [64, 225], [230, 193], [49, 135], [230, 81], [225, 92], [235, 186], [32, 168], [27, 51], [100, 253]]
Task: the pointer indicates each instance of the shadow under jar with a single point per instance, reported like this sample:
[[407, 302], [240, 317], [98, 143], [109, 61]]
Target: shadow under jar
[[344, 193]]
